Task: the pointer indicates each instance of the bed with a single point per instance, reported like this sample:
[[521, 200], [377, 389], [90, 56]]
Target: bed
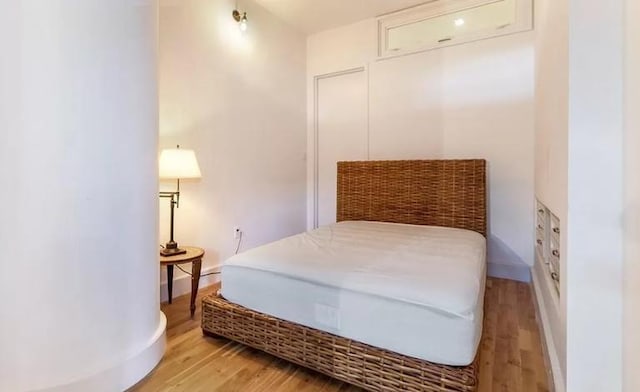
[[388, 298]]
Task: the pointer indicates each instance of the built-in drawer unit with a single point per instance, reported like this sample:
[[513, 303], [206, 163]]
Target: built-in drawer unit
[[548, 242]]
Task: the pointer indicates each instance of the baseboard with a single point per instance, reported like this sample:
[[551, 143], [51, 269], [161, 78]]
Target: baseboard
[[549, 347], [521, 272], [182, 284], [126, 373]]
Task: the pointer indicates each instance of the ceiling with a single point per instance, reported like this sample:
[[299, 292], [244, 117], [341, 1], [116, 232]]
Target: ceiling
[[312, 16]]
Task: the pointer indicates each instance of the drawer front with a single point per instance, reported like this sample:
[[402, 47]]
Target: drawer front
[[554, 263], [554, 256], [541, 216], [554, 250], [554, 272], [555, 228], [540, 246], [540, 257]]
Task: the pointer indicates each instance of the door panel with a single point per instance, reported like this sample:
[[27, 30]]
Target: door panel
[[342, 134]]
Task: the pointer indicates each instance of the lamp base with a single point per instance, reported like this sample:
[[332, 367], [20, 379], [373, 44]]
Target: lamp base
[[171, 249]]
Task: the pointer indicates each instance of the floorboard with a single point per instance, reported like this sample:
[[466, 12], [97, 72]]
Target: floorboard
[[510, 353]]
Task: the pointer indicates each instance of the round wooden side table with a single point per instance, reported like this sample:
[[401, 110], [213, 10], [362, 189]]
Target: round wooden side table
[[193, 256]]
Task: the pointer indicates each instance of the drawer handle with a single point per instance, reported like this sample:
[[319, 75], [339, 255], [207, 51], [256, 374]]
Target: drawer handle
[[539, 242], [555, 276], [555, 253], [556, 230], [541, 211], [540, 227]]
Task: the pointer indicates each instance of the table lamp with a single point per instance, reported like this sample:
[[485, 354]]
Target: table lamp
[[176, 164]]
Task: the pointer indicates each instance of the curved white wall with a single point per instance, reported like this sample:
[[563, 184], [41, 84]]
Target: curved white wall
[[78, 205], [631, 342]]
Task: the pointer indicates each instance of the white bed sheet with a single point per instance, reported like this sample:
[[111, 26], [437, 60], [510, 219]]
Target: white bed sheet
[[415, 290]]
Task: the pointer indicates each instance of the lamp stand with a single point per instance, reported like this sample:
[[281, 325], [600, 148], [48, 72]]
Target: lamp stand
[[171, 247]]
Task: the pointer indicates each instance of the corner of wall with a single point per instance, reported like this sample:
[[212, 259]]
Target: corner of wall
[[550, 348]]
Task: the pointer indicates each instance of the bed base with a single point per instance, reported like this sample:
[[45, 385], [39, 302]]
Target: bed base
[[368, 367]]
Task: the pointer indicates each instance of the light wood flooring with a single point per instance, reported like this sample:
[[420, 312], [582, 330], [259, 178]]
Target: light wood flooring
[[510, 353]]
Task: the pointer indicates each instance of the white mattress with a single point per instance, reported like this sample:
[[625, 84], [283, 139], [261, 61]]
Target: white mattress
[[415, 290]]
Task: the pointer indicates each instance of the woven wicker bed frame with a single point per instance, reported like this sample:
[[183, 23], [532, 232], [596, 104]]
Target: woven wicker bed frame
[[426, 192]]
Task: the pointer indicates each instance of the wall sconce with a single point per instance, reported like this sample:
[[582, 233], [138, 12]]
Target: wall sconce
[[241, 19]]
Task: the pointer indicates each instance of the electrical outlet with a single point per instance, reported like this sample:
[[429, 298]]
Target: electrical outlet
[[236, 232]]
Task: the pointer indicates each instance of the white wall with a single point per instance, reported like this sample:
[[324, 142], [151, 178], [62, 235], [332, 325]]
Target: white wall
[[551, 160], [595, 189], [78, 226], [632, 202], [468, 101], [579, 173], [238, 100]]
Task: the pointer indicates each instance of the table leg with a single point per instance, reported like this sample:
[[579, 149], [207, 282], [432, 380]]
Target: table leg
[[195, 280], [170, 281]]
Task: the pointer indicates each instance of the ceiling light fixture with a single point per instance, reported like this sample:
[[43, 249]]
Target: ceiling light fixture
[[241, 18], [459, 22]]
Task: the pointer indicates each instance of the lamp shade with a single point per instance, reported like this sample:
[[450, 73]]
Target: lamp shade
[[176, 163]]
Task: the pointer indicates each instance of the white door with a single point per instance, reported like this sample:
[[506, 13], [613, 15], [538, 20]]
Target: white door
[[342, 134]]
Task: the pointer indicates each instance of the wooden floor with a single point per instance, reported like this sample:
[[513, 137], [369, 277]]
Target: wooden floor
[[510, 353]]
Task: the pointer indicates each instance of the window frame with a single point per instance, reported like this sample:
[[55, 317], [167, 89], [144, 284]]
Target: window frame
[[435, 8]]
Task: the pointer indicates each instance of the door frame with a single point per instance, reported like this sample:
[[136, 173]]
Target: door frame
[[316, 131]]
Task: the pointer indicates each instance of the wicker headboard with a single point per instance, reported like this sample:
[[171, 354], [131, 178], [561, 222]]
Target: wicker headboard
[[448, 193]]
